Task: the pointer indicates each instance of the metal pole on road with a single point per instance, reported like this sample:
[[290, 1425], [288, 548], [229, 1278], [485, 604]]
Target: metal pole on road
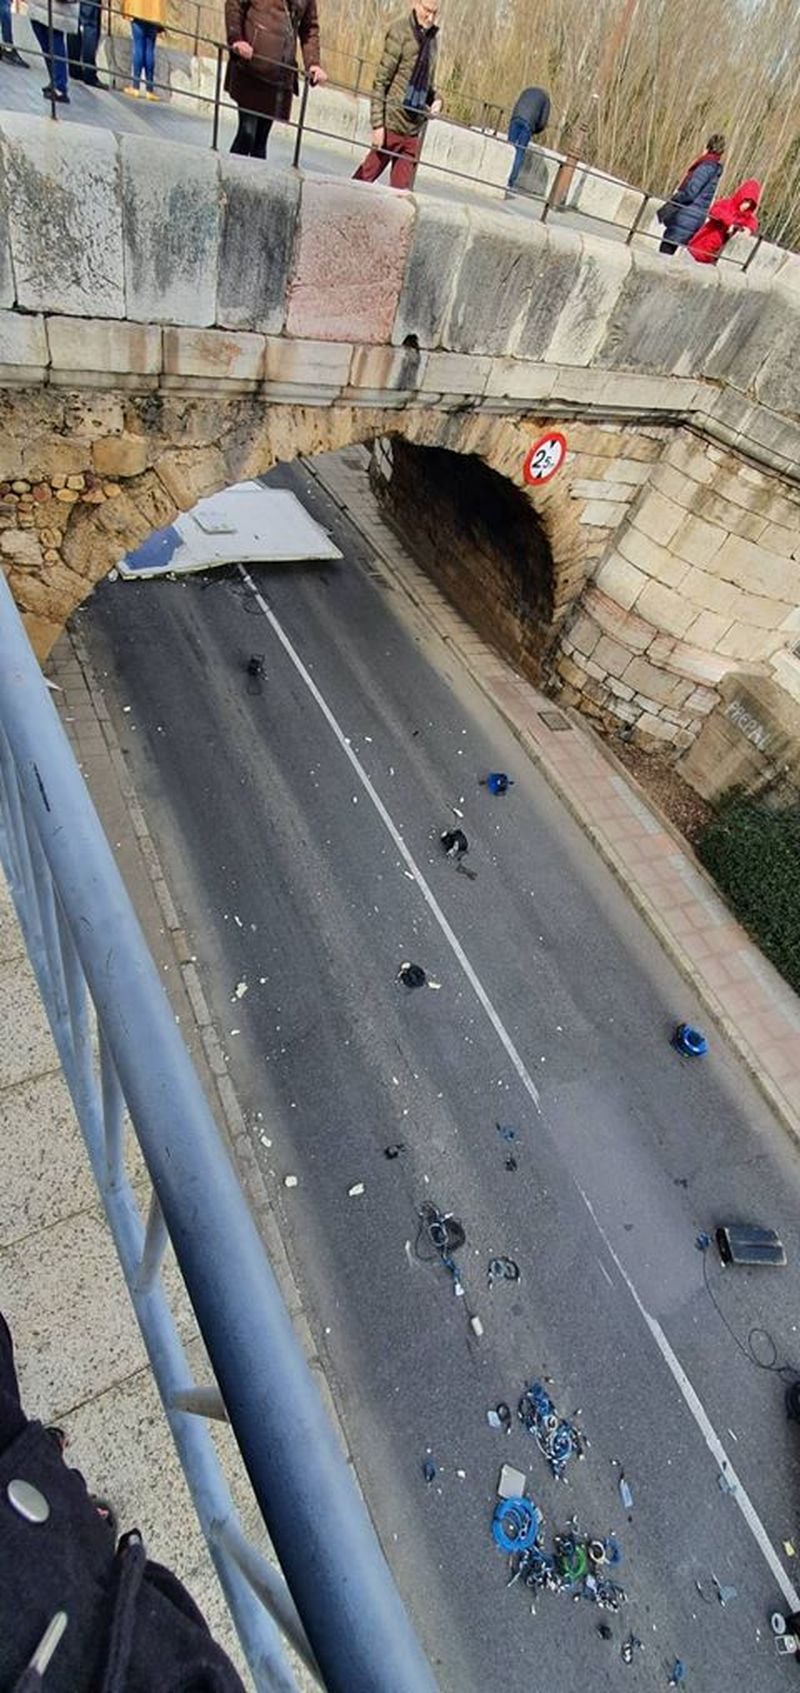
[[361, 1636], [217, 87]]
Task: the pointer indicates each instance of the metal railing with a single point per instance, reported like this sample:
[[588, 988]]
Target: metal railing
[[567, 166], [338, 1606]]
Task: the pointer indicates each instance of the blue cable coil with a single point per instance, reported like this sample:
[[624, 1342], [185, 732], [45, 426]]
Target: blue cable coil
[[516, 1524]]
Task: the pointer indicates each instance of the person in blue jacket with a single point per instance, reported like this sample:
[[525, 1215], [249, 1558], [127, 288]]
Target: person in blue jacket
[[685, 211]]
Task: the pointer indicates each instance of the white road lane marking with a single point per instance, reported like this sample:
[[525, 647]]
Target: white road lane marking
[[703, 1422], [673, 1364], [427, 892]]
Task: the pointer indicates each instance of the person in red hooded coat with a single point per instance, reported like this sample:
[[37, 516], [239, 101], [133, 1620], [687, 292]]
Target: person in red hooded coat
[[726, 218]]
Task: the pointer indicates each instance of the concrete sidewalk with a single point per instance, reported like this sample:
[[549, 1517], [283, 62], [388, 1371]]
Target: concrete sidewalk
[[751, 1003]]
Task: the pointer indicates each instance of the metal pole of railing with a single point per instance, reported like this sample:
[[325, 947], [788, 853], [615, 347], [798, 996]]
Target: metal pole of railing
[[51, 66], [298, 140], [322, 1534], [358, 75], [217, 90], [751, 255], [637, 222]]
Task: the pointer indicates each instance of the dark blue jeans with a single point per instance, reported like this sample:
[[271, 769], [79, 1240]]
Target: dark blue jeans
[[53, 47], [519, 134], [6, 31], [144, 53], [83, 44]]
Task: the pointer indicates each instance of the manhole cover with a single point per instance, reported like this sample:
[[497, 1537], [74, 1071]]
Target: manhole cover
[[554, 720]]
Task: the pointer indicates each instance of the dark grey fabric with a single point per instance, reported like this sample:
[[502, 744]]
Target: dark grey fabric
[[533, 107], [685, 211]]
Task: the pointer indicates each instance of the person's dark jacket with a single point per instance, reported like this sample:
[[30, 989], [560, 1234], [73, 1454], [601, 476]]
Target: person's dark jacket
[[131, 1626], [265, 84], [533, 108], [685, 211]]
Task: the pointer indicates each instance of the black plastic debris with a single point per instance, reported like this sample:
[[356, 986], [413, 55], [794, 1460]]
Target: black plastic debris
[[412, 976], [506, 1131], [746, 1243], [255, 665], [500, 1417], [446, 1235], [557, 1439], [604, 1631], [502, 1269], [511, 1162], [454, 843], [793, 1401], [429, 1470], [395, 1150]]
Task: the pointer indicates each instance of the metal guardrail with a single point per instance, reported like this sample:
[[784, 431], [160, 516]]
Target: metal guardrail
[[340, 1610], [491, 118]]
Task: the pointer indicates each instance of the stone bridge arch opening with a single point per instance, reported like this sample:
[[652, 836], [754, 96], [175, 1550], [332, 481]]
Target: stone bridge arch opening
[[479, 538]]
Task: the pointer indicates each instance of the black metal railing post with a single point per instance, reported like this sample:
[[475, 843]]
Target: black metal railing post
[[298, 140], [638, 220], [51, 65], [217, 90]]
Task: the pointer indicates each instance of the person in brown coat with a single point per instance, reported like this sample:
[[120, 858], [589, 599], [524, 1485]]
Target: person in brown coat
[[262, 75]]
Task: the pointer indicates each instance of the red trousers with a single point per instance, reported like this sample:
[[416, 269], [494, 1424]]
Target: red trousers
[[399, 151]]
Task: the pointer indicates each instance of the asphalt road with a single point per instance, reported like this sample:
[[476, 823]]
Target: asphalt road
[[289, 878]]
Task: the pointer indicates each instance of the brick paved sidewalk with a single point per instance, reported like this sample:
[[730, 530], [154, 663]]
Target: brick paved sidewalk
[[749, 1000]]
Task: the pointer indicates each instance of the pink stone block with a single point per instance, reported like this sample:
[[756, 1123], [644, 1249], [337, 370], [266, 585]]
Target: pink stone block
[[350, 261]]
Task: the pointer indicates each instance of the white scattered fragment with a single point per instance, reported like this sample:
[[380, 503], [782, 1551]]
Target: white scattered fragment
[[262, 980], [455, 811], [126, 708], [462, 1475], [434, 985], [238, 921], [356, 1190], [55, 688], [235, 1031], [239, 991], [476, 1325], [409, 875], [368, 739], [290, 1181], [355, 799], [408, 1252]]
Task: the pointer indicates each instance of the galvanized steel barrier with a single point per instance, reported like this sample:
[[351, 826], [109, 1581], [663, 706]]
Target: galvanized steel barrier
[[132, 1074]]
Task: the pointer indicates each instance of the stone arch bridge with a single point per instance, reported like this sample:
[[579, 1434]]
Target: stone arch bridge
[[172, 321]]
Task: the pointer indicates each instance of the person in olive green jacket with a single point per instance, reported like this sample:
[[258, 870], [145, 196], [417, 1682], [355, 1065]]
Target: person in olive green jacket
[[403, 95]]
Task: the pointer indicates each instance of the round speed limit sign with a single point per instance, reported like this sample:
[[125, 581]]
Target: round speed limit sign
[[544, 458]]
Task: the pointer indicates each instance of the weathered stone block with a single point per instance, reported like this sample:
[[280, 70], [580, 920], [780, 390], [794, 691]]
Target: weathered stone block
[[493, 291], [665, 608], [603, 514], [389, 369], [762, 613], [188, 474], [673, 337], [429, 283], [350, 261], [657, 517], [557, 275], [64, 216], [220, 354], [746, 643], [584, 635], [121, 455], [22, 547], [707, 629], [648, 556], [651, 728], [171, 215], [515, 379], [56, 456], [697, 541], [646, 679], [750, 567], [23, 340], [579, 320], [620, 581], [455, 373], [612, 656], [307, 364], [624, 626], [83, 344], [778, 539], [259, 222], [710, 593]]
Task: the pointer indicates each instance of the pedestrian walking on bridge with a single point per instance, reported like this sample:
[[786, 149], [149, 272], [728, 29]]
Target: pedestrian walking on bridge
[[148, 20], [50, 24], [403, 96], [263, 37], [734, 216], [530, 117], [685, 211]]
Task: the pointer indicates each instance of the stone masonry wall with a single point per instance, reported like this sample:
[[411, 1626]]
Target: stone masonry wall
[[701, 580]]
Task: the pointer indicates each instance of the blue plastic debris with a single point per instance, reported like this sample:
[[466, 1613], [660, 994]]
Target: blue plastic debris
[[429, 1470], [515, 1525], [678, 1673], [703, 1242], [557, 1439], [498, 782], [690, 1042]]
